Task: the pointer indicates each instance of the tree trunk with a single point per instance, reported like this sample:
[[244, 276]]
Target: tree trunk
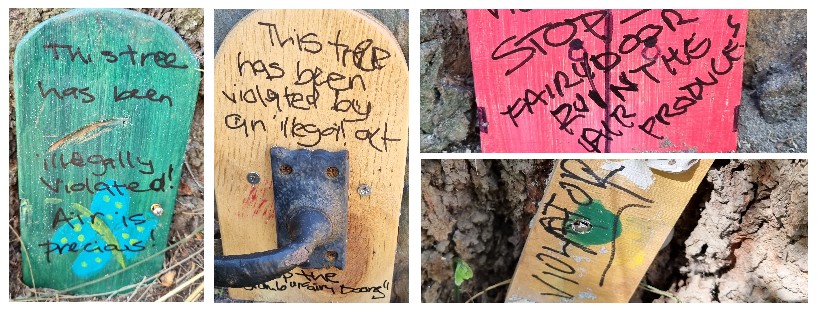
[[742, 238]]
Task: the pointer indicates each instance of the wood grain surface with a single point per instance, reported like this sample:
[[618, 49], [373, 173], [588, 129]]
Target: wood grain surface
[[599, 227], [608, 80], [316, 79], [104, 102]]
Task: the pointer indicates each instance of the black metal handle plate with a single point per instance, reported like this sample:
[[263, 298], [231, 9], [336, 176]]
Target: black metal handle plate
[[305, 179]]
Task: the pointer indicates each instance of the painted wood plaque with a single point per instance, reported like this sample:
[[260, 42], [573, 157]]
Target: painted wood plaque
[[607, 80], [104, 102], [314, 79], [599, 227]]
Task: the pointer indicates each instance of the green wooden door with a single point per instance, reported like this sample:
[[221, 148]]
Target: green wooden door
[[104, 102]]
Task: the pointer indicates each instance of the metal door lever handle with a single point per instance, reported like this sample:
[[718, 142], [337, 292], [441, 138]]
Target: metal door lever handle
[[308, 228], [310, 198]]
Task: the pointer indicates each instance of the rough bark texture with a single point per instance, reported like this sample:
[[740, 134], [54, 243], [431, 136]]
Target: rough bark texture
[[751, 240], [773, 108], [773, 102], [447, 97], [742, 238], [478, 211], [188, 216]]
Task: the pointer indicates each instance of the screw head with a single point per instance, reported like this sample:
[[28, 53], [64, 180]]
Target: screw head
[[581, 226], [331, 255], [364, 190], [285, 169], [157, 210], [332, 172], [253, 178]]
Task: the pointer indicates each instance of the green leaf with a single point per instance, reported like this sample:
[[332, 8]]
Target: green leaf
[[463, 272]]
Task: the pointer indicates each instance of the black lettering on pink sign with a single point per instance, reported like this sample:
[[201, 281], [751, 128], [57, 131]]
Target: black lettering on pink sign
[[608, 80]]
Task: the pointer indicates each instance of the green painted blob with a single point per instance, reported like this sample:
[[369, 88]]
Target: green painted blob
[[596, 224]]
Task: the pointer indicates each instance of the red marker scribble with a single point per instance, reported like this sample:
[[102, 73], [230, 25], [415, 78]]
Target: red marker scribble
[[255, 203]]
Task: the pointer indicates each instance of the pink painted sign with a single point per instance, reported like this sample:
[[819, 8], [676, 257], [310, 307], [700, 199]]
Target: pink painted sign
[[607, 80]]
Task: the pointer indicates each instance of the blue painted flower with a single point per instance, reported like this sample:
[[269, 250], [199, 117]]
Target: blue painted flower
[[106, 231]]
